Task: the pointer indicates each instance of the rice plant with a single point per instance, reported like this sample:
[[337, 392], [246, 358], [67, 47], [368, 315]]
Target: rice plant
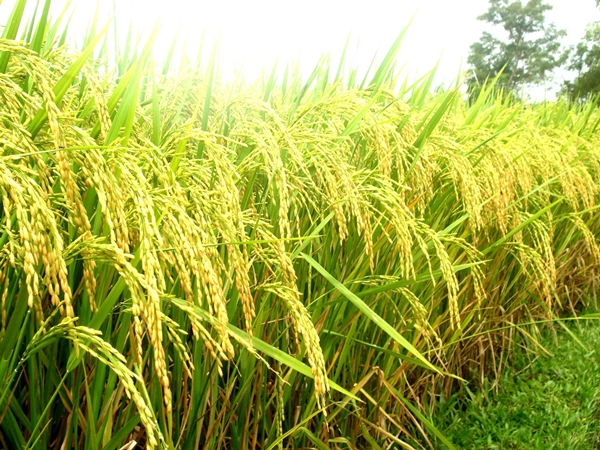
[[285, 263]]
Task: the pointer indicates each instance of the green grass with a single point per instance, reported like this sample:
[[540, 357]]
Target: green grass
[[541, 401]]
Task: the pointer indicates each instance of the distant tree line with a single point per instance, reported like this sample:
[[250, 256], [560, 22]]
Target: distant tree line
[[529, 50]]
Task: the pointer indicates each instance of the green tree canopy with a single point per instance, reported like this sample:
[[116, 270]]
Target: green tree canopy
[[585, 61], [526, 53]]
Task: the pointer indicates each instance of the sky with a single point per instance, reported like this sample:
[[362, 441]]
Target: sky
[[255, 33]]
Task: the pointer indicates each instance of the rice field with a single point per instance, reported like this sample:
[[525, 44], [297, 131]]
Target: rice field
[[188, 262]]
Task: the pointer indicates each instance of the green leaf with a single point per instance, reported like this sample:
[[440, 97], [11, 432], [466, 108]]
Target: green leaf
[[369, 313], [11, 30]]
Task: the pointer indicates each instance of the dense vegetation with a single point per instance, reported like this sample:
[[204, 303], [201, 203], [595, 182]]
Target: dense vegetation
[[188, 263]]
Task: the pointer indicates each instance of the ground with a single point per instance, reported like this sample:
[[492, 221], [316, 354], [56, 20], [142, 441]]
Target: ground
[[542, 401]]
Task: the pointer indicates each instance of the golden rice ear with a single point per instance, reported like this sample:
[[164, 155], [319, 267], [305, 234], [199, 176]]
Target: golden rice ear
[[147, 218], [90, 340]]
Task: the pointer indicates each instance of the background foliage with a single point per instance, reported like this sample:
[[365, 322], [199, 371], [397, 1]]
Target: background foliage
[[525, 54]]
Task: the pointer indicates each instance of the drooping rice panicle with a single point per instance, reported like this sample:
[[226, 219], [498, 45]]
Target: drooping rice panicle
[[187, 262]]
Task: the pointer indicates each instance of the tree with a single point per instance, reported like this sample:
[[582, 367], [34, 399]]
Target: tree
[[529, 51], [585, 61]]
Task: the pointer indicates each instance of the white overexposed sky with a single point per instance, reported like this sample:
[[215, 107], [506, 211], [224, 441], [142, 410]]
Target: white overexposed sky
[[255, 33]]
